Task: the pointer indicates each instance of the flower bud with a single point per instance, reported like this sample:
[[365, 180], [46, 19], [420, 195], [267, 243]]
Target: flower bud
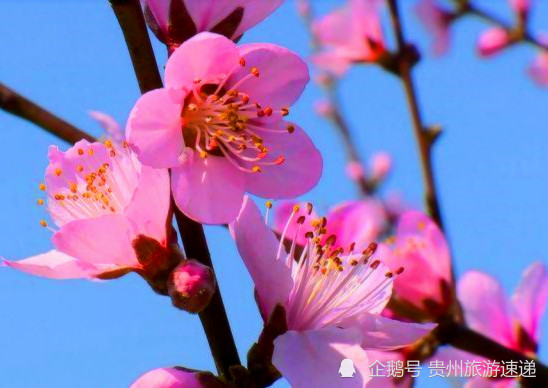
[[191, 286], [381, 164], [355, 171], [323, 108], [493, 41], [175, 378]]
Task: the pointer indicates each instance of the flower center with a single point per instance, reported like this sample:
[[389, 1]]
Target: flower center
[[221, 120], [95, 180], [332, 285]]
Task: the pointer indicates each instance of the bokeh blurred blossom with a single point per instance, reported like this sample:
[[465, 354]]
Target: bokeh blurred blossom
[[175, 21], [351, 34], [219, 124], [493, 41], [436, 21], [332, 299]]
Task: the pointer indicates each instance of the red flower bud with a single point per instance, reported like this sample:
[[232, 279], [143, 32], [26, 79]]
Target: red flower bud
[[191, 286]]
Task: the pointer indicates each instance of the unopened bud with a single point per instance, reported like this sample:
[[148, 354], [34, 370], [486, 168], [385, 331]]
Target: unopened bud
[[191, 286], [381, 164]]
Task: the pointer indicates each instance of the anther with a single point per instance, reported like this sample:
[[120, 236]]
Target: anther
[[108, 143], [44, 223], [399, 271], [279, 160], [73, 187], [301, 220], [268, 111], [79, 168], [285, 111], [296, 208], [80, 151], [353, 262], [331, 240], [269, 204], [290, 128], [309, 235], [256, 169], [370, 250], [40, 201], [242, 62], [255, 71], [389, 274], [90, 152], [375, 264], [42, 187], [309, 208], [351, 247], [58, 171]]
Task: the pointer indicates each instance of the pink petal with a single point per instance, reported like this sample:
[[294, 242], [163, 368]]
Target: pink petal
[[539, 69], [103, 240], [109, 124], [255, 12], [282, 78], [167, 378], [54, 265], [160, 11], [208, 190], [359, 222], [333, 62], [282, 212], [204, 56], [313, 358], [435, 20], [520, 6], [258, 248], [529, 299], [493, 41], [154, 128], [485, 306], [149, 206], [386, 334], [299, 172]]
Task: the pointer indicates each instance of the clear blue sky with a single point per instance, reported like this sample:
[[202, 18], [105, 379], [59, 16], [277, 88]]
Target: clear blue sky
[[70, 57]]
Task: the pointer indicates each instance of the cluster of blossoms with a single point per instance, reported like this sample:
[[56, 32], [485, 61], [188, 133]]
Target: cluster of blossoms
[[366, 282]]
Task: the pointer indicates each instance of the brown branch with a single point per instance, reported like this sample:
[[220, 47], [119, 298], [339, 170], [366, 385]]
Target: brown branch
[[523, 35], [423, 137], [16, 104], [130, 17], [214, 319], [470, 341]]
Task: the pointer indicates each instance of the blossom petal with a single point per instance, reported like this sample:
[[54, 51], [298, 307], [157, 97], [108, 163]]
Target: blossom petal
[[485, 306], [54, 265], [282, 78], [154, 128], [198, 58], [529, 299], [296, 175], [313, 358], [386, 334], [150, 203], [258, 248], [102, 240], [167, 378], [208, 190]]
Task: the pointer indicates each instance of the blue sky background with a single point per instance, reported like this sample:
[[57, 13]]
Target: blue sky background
[[70, 57]]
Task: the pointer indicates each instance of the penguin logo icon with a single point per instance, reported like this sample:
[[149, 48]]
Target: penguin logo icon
[[347, 368]]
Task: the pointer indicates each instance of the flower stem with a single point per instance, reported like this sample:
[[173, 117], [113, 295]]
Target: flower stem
[[16, 104], [214, 319]]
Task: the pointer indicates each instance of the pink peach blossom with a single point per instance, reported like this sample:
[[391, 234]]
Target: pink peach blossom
[[381, 164], [357, 222], [105, 205], [493, 41], [420, 247], [219, 125], [513, 322], [175, 21], [539, 68], [351, 34], [437, 21], [332, 298], [168, 378]]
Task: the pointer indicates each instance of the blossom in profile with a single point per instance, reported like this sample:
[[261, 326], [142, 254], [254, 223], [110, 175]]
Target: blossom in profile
[[421, 248], [109, 214], [356, 223], [493, 41], [351, 34], [176, 377], [175, 21], [332, 299], [513, 322], [436, 21], [220, 125]]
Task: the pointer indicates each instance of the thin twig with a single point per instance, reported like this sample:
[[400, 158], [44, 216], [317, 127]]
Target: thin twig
[[16, 104], [214, 319], [422, 136]]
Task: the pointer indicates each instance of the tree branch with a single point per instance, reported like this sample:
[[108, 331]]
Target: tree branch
[[422, 135], [214, 319], [470, 341], [16, 104]]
